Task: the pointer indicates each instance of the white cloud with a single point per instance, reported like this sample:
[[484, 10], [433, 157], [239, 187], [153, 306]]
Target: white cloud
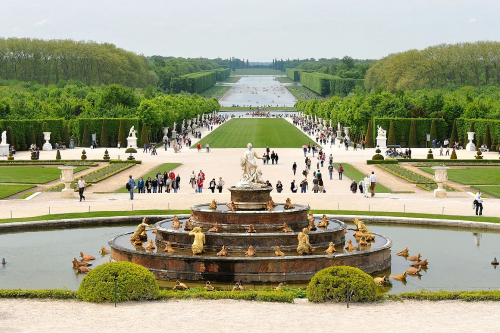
[[15, 29], [43, 22], [472, 20]]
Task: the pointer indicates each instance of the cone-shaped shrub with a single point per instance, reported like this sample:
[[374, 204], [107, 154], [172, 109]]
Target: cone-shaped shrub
[[121, 134], [66, 138], [104, 135], [454, 134], [369, 136], [433, 130], [453, 155], [412, 140], [391, 139], [58, 155], [487, 137], [31, 136], [86, 136], [144, 135]]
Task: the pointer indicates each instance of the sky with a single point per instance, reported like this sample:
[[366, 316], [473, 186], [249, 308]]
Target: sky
[[258, 30]]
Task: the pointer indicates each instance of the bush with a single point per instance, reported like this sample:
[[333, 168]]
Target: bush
[[133, 282], [106, 155], [453, 155], [84, 155], [330, 284], [10, 158], [377, 157], [58, 155], [430, 155], [369, 136], [479, 155]]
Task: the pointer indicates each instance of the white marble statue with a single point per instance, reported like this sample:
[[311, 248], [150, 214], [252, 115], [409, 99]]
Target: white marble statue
[[338, 126], [4, 138], [252, 175], [132, 132], [381, 132]]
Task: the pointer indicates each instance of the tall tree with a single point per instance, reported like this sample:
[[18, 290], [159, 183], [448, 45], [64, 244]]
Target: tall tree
[[391, 138], [122, 138], [104, 135], [412, 140], [454, 134], [433, 130], [144, 135], [369, 136], [487, 137], [31, 136], [86, 136]]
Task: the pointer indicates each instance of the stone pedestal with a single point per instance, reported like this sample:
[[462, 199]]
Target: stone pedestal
[[470, 146], [440, 176], [46, 145], [381, 142], [4, 149], [132, 142], [174, 134], [250, 198], [67, 178]]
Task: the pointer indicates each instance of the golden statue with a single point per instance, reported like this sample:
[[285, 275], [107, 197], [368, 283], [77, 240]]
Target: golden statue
[[285, 228], [311, 226], [180, 286], [199, 241], [231, 206], [238, 286], [361, 227], [143, 236], [288, 204], [331, 248], [150, 246], [213, 205], [278, 288], [304, 246], [381, 281], [250, 252], [272, 201], [349, 247], [363, 242], [324, 222], [188, 226], [403, 253], [104, 250], [208, 286], [215, 228], [251, 229], [222, 252], [278, 252], [169, 248], [269, 206], [140, 228], [176, 224]]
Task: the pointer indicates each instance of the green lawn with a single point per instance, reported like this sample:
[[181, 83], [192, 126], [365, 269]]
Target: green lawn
[[215, 92], [492, 190], [301, 92], [237, 133], [231, 79], [30, 174], [8, 190], [271, 108], [284, 79], [163, 167], [472, 176], [258, 71], [354, 174]]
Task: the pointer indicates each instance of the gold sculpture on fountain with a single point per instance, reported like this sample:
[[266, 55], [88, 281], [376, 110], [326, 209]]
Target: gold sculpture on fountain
[[231, 206], [199, 241], [176, 224], [288, 204], [213, 205], [331, 248], [270, 206], [139, 230], [272, 201], [324, 222], [286, 228], [304, 245], [310, 218]]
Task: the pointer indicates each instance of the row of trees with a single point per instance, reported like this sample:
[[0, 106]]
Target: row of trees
[[445, 65], [52, 61]]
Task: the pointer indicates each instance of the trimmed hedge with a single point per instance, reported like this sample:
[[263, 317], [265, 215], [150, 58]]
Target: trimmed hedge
[[317, 82], [222, 73], [479, 126], [134, 282], [96, 126], [422, 127], [330, 284], [21, 131], [193, 82]]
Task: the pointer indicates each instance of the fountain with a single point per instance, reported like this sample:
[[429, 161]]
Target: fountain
[[244, 225], [67, 178], [440, 176]]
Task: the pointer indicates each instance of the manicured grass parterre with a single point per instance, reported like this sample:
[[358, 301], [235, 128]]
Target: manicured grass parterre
[[163, 167], [258, 71], [284, 79], [31, 174], [232, 79], [237, 133], [472, 176], [8, 190], [301, 92], [215, 92], [492, 190], [354, 174]]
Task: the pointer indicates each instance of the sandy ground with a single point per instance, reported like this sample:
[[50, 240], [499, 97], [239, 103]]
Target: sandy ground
[[245, 316]]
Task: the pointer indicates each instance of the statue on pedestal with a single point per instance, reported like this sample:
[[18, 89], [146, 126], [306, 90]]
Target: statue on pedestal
[[4, 138], [132, 132], [381, 132], [199, 241], [252, 175]]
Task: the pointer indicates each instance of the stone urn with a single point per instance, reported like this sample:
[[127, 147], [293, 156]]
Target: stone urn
[[440, 176], [67, 178], [470, 146], [46, 145]]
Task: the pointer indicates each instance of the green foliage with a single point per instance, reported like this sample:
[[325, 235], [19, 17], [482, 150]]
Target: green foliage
[[11, 157], [433, 131], [58, 154], [248, 295], [468, 296], [330, 284], [31, 136], [479, 155], [412, 143], [194, 82], [487, 136], [317, 82], [369, 135], [10, 137], [391, 138], [406, 174], [8, 190], [38, 293], [430, 156], [134, 282], [122, 138], [104, 135], [144, 135], [454, 133], [65, 137], [293, 73], [377, 157], [86, 136], [422, 127], [453, 155], [84, 155], [95, 125], [21, 128]]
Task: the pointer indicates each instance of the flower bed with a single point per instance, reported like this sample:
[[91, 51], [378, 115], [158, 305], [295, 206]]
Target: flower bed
[[406, 174]]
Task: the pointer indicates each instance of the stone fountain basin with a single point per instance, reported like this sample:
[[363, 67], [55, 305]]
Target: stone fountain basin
[[262, 240], [236, 267]]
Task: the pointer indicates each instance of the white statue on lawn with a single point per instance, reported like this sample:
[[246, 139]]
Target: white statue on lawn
[[252, 175]]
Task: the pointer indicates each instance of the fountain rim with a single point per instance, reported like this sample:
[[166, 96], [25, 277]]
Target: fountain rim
[[297, 208], [114, 246]]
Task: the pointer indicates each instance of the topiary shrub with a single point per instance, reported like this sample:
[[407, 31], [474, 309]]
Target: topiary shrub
[[84, 155], [430, 155], [133, 282], [378, 157], [330, 284], [453, 155], [58, 155], [106, 155], [10, 158], [479, 155]]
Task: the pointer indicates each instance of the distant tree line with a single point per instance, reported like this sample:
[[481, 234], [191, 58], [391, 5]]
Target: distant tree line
[[440, 66], [52, 61]]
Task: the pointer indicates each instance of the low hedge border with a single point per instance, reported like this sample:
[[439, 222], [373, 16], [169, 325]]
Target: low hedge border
[[65, 162], [425, 162], [286, 295]]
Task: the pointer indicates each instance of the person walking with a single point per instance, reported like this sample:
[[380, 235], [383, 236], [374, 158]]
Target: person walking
[[315, 187], [294, 168], [354, 187], [479, 203], [341, 171], [212, 185], [82, 186], [208, 147], [131, 185], [360, 185], [140, 185], [177, 183], [220, 184], [192, 179], [293, 186], [199, 181], [303, 186], [330, 170], [373, 183]]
